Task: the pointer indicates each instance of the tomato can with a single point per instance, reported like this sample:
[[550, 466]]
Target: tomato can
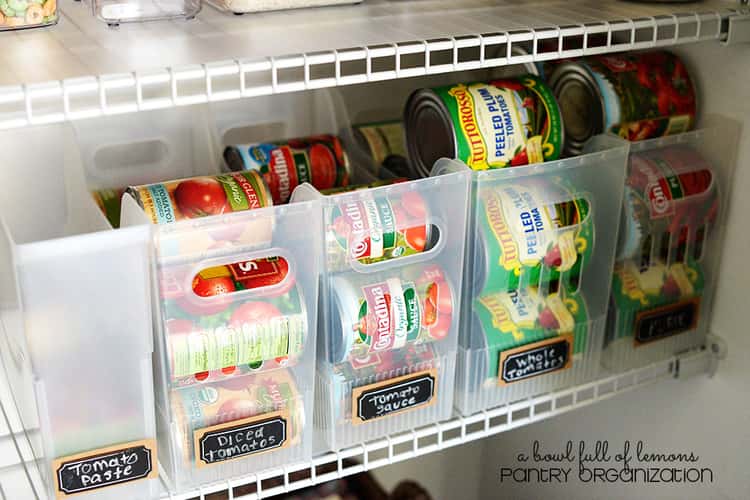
[[202, 406], [110, 203], [530, 235], [671, 195], [373, 316], [498, 124], [359, 187], [377, 226], [508, 320], [384, 143], [636, 96], [320, 160]]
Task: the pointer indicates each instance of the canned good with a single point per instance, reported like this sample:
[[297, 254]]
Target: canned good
[[110, 203], [319, 160], [385, 144], [486, 125], [19, 14], [376, 227], [374, 316], [508, 320], [530, 235], [636, 96], [226, 336], [671, 201], [198, 407], [359, 187]]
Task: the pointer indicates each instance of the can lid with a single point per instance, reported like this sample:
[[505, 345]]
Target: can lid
[[340, 345], [233, 159], [580, 104], [429, 131]]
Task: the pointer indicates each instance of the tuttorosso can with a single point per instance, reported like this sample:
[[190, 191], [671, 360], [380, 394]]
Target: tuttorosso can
[[529, 235], [385, 143], [509, 320], [486, 125], [320, 160], [222, 402], [636, 96], [671, 201], [372, 316]]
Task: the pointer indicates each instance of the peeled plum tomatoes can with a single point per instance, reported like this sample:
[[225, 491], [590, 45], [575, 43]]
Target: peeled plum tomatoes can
[[171, 201], [498, 124], [377, 226], [531, 234], [374, 315], [636, 96], [320, 160]]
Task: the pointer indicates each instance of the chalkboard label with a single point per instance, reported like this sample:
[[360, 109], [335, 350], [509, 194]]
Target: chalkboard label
[[663, 322], [240, 438], [535, 359], [396, 395], [104, 467]]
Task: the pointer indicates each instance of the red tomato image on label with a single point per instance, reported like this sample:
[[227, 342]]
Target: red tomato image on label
[[322, 166], [201, 197], [251, 313], [414, 204], [416, 237], [235, 409]]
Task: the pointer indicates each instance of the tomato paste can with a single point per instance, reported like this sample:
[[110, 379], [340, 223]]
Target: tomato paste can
[[377, 226], [211, 333], [530, 235], [359, 187], [508, 320], [486, 125], [376, 315], [206, 405], [385, 143], [109, 202], [636, 96], [671, 201], [320, 160]]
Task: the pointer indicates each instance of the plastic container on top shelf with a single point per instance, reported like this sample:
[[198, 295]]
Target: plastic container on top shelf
[[21, 14], [75, 315], [247, 6], [669, 245], [114, 12], [537, 275]]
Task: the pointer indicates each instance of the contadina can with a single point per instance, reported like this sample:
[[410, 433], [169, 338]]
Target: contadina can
[[486, 125], [671, 194], [507, 320], [319, 160], [375, 315], [212, 331], [375, 226], [636, 96], [530, 234], [206, 405]]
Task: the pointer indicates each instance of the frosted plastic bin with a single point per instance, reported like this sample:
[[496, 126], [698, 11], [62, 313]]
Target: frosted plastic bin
[[114, 12], [75, 312], [669, 246], [541, 244], [390, 369], [246, 6]]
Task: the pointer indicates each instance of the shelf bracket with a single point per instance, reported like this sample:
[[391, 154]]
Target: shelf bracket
[[738, 29], [704, 360]]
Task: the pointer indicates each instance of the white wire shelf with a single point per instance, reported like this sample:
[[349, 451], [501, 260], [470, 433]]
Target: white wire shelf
[[393, 449], [81, 68]]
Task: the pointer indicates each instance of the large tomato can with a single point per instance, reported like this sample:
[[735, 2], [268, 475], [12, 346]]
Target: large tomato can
[[636, 96], [530, 235], [320, 160], [554, 327], [486, 125], [377, 316]]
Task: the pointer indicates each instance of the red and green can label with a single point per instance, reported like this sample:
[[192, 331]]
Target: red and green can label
[[504, 123]]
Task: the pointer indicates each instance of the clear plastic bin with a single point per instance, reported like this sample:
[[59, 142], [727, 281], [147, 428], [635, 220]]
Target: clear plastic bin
[[669, 246], [542, 240], [247, 6], [114, 12], [75, 310], [391, 368]]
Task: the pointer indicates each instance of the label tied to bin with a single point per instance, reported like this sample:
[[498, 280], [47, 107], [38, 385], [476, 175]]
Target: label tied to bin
[[663, 322], [105, 467], [530, 360], [416, 390], [240, 438]]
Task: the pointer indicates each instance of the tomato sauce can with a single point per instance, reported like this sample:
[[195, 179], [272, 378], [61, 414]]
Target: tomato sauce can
[[530, 235], [508, 320], [636, 96], [206, 405], [320, 160], [374, 317], [486, 125], [385, 144]]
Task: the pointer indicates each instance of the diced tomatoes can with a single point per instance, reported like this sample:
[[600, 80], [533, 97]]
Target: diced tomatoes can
[[376, 316], [636, 96], [498, 124], [320, 160]]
